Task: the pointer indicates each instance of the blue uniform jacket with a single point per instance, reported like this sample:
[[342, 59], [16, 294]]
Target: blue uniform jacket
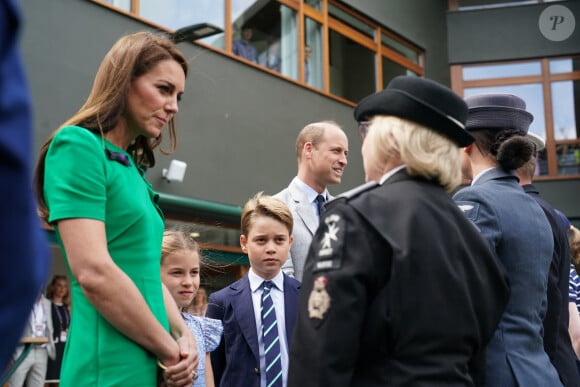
[[517, 230]]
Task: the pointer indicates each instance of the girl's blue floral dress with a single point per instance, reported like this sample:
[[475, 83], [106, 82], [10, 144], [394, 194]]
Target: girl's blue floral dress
[[208, 333]]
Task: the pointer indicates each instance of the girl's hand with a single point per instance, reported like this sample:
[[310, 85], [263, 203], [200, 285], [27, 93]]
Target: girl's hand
[[184, 372]]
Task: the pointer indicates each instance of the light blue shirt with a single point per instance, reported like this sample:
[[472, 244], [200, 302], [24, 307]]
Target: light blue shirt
[[245, 50], [277, 294], [311, 194]]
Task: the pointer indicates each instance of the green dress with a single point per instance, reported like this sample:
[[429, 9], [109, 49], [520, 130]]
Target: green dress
[[85, 177]]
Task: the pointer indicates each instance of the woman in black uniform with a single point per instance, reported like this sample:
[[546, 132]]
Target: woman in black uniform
[[399, 287]]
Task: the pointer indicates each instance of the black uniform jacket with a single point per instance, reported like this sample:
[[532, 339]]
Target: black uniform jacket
[[399, 289]]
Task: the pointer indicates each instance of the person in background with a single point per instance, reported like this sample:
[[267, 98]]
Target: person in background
[[91, 186], [198, 306], [321, 151], [574, 284], [516, 229], [272, 58], [556, 336], [574, 311], [574, 289], [574, 242], [259, 310], [307, 56], [180, 268], [31, 372], [24, 250], [243, 47], [399, 288], [57, 293]]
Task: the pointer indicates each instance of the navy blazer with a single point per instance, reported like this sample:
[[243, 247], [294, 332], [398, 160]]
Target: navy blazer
[[557, 341], [236, 362], [23, 246], [517, 230]]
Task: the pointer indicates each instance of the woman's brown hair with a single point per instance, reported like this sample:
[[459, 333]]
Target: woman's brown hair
[[51, 288], [130, 57]]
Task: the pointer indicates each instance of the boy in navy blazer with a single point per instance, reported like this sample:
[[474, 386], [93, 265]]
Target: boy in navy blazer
[[241, 358]]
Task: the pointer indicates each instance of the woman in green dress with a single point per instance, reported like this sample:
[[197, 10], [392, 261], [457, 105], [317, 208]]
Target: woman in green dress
[[91, 187]]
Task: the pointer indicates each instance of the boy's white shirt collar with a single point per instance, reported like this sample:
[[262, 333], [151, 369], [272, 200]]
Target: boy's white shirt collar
[[256, 280]]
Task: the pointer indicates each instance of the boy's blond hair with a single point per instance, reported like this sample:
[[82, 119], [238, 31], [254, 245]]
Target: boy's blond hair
[[268, 206]]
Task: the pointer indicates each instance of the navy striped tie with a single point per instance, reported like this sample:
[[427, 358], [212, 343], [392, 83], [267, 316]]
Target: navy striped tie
[[320, 200], [271, 339]]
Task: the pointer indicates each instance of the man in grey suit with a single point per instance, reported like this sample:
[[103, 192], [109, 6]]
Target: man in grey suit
[[321, 149]]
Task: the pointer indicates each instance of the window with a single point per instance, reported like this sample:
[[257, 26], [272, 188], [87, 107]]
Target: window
[[399, 59], [316, 4], [175, 14], [564, 108], [352, 68], [265, 33], [320, 44], [313, 51], [399, 47], [536, 81], [125, 5], [392, 69], [468, 5], [350, 20], [501, 71]]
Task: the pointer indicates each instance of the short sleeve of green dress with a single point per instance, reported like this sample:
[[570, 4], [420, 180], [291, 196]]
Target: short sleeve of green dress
[[88, 177]]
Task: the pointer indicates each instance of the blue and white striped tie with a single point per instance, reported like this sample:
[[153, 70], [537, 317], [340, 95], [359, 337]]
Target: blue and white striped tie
[[271, 339]]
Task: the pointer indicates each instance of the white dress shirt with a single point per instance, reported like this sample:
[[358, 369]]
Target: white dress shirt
[[277, 294]]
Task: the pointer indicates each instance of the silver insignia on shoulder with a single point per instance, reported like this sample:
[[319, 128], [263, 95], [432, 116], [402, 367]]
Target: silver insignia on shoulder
[[465, 207], [330, 235]]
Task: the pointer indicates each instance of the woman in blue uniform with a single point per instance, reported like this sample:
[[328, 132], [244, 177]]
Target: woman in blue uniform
[[517, 230]]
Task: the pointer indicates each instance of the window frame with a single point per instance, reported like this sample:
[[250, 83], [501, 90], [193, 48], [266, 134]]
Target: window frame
[[328, 23], [545, 79]]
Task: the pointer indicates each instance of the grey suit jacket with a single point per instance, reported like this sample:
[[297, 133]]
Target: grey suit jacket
[[305, 225], [50, 348]]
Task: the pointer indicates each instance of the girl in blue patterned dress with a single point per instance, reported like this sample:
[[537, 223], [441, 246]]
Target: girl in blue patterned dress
[[180, 267]]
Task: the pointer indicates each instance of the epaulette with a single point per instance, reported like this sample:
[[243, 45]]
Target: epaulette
[[356, 191]]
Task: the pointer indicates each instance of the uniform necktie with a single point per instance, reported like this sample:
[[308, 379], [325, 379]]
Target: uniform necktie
[[270, 338], [320, 204]]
